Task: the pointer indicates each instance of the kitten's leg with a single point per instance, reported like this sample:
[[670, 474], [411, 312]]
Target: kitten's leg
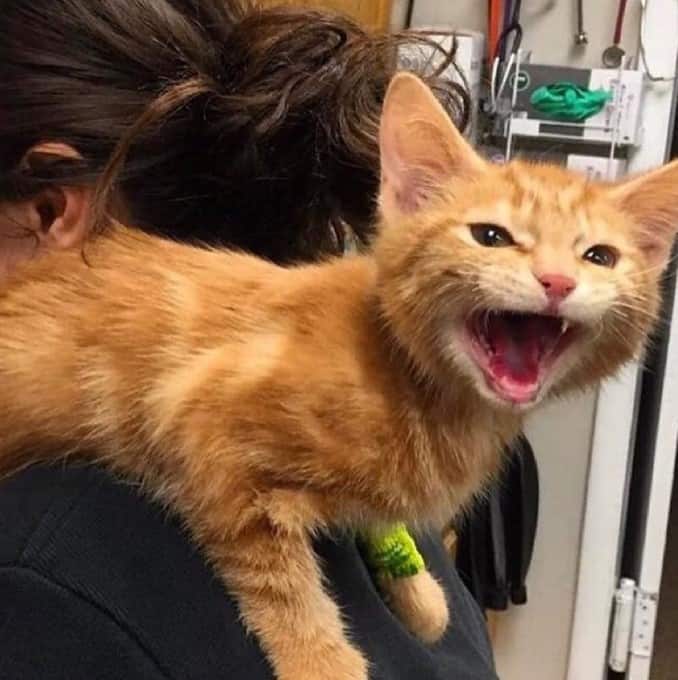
[[419, 602], [410, 591], [273, 572]]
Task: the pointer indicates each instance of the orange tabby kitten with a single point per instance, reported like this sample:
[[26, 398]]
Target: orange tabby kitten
[[266, 404]]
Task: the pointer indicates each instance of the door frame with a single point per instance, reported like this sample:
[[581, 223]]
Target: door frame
[[615, 418]]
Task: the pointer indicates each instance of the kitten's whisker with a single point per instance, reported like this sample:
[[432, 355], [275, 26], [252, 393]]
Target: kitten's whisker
[[631, 307]]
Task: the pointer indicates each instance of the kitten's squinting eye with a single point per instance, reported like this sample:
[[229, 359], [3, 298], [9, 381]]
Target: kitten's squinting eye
[[491, 235], [603, 256]]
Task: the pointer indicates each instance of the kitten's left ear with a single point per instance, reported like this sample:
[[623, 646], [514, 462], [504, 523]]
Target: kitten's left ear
[[420, 148], [651, 201]]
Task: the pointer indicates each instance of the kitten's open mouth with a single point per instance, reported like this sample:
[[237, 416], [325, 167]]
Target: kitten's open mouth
[[516, 350]]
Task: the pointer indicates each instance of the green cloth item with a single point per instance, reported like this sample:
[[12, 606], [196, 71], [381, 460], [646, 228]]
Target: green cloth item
[[392, 553], [567, 101]]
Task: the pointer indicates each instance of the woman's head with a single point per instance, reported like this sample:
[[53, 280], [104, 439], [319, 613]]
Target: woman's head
[[270, 148]]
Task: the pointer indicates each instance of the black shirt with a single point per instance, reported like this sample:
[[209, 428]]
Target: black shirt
[[97, 583]]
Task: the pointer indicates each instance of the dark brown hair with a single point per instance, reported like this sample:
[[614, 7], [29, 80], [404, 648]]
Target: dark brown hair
[[219, 122]]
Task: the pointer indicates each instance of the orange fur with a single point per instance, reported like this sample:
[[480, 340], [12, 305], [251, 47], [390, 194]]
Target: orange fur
[[265, 404]]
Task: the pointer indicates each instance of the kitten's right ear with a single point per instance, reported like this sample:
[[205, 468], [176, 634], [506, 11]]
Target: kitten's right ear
[[420, 148]]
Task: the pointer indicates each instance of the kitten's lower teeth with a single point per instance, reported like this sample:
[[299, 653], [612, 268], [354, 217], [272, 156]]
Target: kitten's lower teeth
[[565, 324]]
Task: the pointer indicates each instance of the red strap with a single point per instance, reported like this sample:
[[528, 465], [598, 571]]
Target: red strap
[[618, 27], [495, 15]]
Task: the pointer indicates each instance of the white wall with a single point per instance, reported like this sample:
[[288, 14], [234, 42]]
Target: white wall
[[532, 642], [549, 25]]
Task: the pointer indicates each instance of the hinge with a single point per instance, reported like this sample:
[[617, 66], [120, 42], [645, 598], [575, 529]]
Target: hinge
[[633, 622], [644, 620]]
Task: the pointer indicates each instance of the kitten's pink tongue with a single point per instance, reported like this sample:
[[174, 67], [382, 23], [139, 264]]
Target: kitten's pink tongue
[[519, 344]]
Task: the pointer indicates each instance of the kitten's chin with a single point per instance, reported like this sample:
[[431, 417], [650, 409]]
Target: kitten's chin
[[514, 356], [500, 400]]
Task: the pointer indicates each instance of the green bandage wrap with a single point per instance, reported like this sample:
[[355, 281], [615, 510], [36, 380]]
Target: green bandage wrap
[[392, 553], [569, 102]]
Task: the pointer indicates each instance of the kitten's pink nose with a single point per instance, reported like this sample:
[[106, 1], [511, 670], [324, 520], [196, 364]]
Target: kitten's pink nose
[[557, 286]]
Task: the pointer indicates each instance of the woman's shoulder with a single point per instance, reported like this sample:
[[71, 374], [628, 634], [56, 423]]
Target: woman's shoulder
[[77, 527], [101, 542]]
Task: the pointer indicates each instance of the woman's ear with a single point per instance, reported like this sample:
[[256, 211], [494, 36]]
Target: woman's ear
[[60, 215]]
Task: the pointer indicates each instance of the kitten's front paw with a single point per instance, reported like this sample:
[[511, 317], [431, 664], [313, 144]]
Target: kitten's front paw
[[419, 602], [338, 662]]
